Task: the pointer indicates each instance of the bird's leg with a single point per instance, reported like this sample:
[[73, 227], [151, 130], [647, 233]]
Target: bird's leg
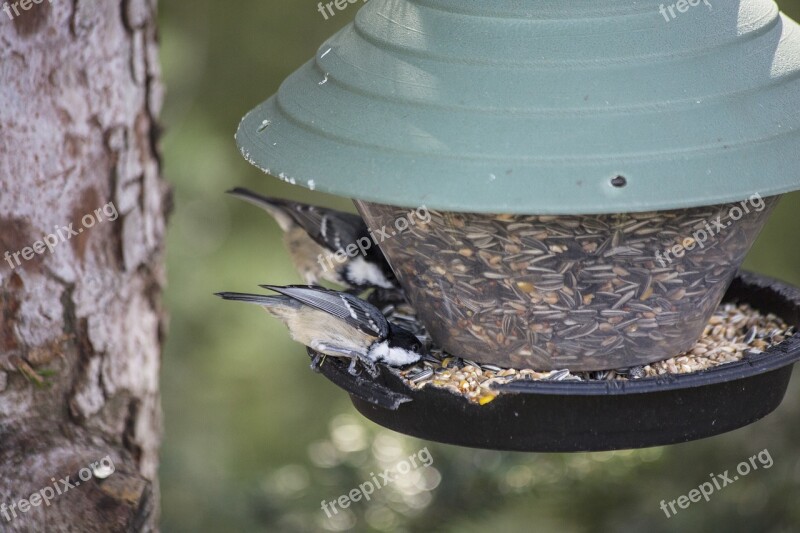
[[316, 361], [353, 355], [370, 366]]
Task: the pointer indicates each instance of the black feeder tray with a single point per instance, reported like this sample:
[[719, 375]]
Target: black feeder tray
[[570, 416]]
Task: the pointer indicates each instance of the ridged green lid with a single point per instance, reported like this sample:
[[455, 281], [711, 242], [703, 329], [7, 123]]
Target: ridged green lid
[[533, 106]]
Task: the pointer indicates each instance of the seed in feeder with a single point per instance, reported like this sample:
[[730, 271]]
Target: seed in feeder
[[483, 399], [545, 270], [422, 376], [525, 287], [637, 372], [558, 375], [717, 346]]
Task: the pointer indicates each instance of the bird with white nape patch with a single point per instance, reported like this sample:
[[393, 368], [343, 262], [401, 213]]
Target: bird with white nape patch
[[337, 324]]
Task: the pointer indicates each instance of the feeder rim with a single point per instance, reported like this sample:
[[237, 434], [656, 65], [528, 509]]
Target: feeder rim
[[391, 388]]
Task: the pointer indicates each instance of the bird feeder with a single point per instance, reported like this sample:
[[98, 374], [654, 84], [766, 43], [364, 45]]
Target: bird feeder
[[595, 172]]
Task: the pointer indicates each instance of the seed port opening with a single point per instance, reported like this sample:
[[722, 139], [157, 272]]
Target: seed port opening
[[619, 182]]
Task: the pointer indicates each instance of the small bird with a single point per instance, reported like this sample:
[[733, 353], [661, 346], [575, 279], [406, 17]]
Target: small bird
[[317, 239], [337, 324]]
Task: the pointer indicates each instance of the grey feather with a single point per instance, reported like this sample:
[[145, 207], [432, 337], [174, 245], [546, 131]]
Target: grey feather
[[354, 311], [260, 299]]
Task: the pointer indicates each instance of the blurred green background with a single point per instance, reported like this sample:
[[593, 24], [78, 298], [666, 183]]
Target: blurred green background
[[254, 441]]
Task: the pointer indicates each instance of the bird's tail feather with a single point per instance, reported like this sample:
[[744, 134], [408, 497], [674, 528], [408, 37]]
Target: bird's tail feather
[[259, 299], [279, 209]]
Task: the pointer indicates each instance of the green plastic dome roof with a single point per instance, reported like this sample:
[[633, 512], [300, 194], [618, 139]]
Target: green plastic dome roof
[[534, 106]]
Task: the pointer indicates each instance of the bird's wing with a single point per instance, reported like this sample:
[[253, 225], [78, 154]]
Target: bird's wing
[[334, 230], [354, 311]]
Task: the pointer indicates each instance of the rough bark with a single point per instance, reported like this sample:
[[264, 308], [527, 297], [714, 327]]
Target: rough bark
[[81, 328]]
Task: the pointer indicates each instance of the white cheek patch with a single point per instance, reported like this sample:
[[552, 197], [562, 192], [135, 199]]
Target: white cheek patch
[[392, 356], [379, 351], [362, 272], [401, 357]]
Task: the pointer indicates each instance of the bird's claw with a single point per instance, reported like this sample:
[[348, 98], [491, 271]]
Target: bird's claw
[[369, 366]]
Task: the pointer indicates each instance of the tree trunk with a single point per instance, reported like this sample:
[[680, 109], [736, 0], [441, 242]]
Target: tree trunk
[[81, 320]]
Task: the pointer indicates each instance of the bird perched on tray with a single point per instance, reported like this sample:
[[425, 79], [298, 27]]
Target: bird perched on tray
[[337, 324], [321, 241]]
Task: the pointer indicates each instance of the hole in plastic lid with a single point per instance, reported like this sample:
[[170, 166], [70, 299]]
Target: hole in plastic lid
[[619, 182]]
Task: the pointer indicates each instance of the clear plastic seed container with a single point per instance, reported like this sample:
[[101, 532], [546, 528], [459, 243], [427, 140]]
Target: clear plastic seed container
[[589, 292]]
